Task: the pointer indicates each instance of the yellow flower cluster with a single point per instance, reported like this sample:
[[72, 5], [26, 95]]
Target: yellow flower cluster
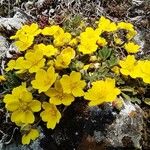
[[25, 36], [135, 68], [92, 38], [60, 37], [53, 70]]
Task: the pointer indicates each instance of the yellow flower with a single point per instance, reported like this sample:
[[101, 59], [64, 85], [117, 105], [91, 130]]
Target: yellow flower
[[65, 57], [51, 30], [11, 65], [25, 36], [18, 64], [34, 60], [127, 65], [25, 43], [102, 91], [48, 50], [86, 67], [87, 48], [21, 65], [22, 105], [57, 96], [117, 40], [131, 47], [62, 39], [129, 27], [131, 34], [90, 34], [115, 69], [2, 78], [26, 30], [142, 70], [73, 42], [51, 115], [31, 135], [88, 41], [106, 25], [136, 71], [146, 72], [101, 42], [73, 84], [126, 26], [44, 79]]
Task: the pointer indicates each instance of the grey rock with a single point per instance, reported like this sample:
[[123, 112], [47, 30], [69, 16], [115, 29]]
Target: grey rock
[[4, 46], [12, 23]]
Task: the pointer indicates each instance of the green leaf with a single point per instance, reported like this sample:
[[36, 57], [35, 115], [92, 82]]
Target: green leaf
[[135, 100], [113, 61], [147, 101], [104, 53], [126, 96], [132, 99]]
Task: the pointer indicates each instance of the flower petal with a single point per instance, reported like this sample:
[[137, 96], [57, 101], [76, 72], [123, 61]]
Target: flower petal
[[51, 124], [34, 133], [25, 139], [28, 117], [13, 106], [35, 105], [16, 116]]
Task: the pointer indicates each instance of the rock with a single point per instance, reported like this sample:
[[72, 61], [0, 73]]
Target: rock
[[125, 131], [12, 23], [39, 3], [4, 46], [137, 2]]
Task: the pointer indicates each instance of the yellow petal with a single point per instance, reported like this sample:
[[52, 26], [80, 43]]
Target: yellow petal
[[77, 92], [51, 124], [13, 106], [28, 117], [67, 99], [76, 76], [46, 105], [26, 96], [9, 98], [25, 139], [17, 115], [35, 105], [34, 133], [45, 115]]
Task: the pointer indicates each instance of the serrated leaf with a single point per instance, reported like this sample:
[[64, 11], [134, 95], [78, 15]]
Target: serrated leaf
[[113, 61], [104, 53]]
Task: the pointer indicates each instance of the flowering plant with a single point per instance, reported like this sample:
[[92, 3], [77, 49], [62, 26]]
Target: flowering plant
[[92, 66]]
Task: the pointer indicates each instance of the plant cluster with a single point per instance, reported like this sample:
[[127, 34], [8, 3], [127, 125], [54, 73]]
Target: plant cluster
[[57, 68]]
